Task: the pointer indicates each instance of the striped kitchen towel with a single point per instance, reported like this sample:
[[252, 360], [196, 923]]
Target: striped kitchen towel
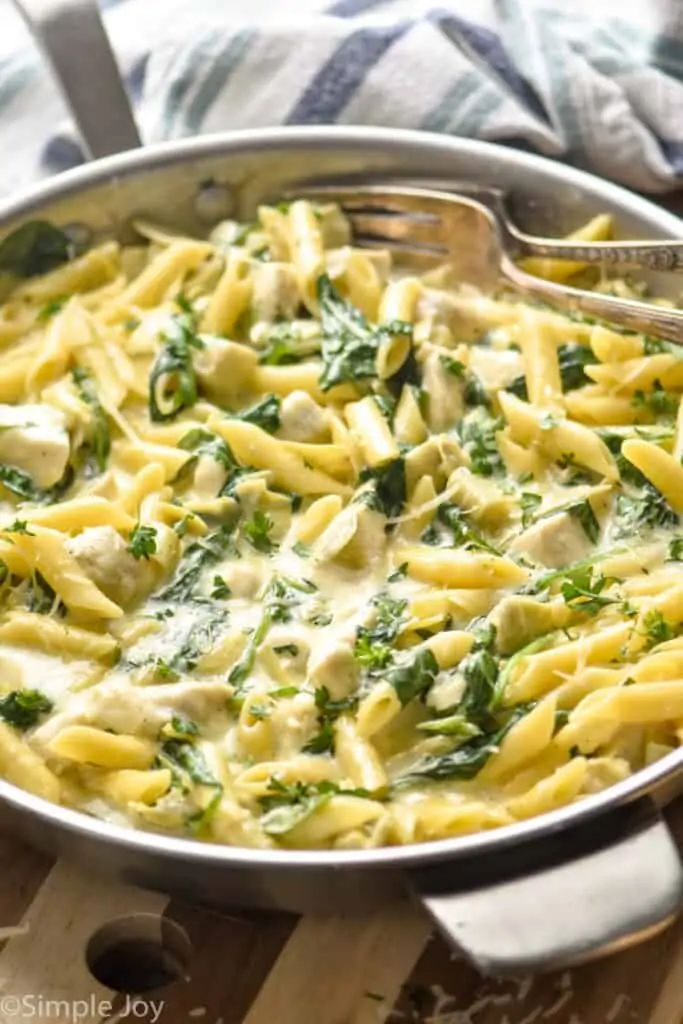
[[595, 82]]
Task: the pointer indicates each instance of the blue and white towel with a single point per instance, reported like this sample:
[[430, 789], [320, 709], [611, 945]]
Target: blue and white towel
[[595, 82]]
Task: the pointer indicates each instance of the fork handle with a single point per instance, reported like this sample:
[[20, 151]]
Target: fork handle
[[660, 321], [72, 36], [650, 255]]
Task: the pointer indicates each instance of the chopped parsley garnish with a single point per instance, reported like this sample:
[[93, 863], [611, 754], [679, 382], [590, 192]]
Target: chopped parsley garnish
[[51, 308], [23, 708], [19, 526], [142, 541], [257, 531], [477, 432], [657, 629], [373, 649], [329, 711]]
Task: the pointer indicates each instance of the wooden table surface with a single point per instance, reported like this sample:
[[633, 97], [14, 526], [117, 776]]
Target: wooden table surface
[[247, 968]]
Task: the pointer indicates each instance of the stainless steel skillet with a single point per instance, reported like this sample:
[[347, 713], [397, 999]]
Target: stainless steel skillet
[[580, 881]]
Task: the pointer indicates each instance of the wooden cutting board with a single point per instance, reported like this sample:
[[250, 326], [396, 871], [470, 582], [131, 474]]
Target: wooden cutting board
[[248, 968]]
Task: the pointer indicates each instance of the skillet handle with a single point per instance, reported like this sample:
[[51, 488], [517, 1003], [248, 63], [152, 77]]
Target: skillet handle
[[71, 34], [594, 903]]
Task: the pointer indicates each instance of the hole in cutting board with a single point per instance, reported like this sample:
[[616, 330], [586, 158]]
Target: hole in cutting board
[[139, 953]]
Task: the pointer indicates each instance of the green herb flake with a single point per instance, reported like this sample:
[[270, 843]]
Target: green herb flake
[[329, 711], [23, 708], [529, 504], [257, 531], [220, 591], [19, 526], [657, 629], [142, 541], [51, 308]]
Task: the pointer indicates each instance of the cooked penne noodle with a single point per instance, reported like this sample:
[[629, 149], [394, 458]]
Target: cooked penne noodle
[[301, 549]]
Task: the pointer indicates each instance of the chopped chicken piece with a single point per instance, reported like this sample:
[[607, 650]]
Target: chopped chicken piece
[[302, 419], [275, 292], [554, 542], [520, 619], [34, 438], [480, 498], [333, 666], [103, 555]]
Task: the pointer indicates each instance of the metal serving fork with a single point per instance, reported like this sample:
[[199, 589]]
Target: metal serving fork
[[429, 226]]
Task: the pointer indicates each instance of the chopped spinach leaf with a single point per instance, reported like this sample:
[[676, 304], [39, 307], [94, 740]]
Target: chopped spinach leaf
[[675, 553], [172, 379], [199, 555], [221, 591], [644, 511], [40, 597], [415, 677], [186, 759], [659, 401], [201, 442], [582, 590], [264, 414], [349, 341], [467, 760], [386, 490], [34, 248], [288, 804], [100, 440], [573, 360]]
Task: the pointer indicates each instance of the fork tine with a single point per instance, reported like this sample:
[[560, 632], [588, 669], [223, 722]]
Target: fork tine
[[419, 255], [384, 216], [392, 227], [417, 202]]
